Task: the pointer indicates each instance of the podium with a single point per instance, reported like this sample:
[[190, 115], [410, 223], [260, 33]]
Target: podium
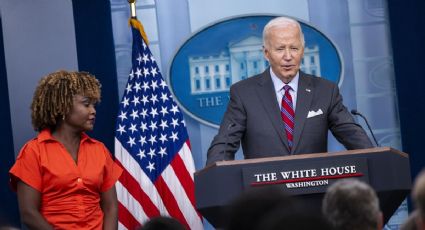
[[305, 176]]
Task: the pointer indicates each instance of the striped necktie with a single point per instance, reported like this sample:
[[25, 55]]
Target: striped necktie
[[287, 113]]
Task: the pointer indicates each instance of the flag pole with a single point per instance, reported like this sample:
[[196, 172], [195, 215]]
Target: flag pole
[[132, 8], [134, 22]]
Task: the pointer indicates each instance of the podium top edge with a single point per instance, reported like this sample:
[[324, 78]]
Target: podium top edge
[[304, 156]]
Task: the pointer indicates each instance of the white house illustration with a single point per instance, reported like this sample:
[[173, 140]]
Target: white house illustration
[[242, 59]]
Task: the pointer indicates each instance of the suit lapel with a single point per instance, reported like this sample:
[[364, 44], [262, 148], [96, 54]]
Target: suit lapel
[[304, 98], [267, 96]]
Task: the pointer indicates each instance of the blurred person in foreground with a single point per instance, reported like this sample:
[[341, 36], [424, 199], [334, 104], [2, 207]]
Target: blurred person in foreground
[[270, 208], [418, 196], [351, 204], [162, 223], [248, 209], [64, 179], [410, 222]]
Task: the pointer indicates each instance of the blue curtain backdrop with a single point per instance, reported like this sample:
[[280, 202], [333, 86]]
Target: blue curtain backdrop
[[408, 36], [95, 49], [9, 207]]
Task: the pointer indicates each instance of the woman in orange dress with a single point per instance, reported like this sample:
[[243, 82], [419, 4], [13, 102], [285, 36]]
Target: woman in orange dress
[[64, 179]]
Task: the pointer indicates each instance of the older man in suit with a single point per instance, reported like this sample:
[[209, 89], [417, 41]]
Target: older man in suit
[[284, 111]]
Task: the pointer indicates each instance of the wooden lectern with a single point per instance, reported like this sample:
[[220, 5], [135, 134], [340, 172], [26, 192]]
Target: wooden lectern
[[305, 176]]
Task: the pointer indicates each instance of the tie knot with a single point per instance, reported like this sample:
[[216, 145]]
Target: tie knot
[[287, 87]]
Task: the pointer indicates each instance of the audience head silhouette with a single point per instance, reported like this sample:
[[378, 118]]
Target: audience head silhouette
[[352, 205], [270, 208], [410, 222], [247, 210], [298, 217], [418, 195], [163, 223]]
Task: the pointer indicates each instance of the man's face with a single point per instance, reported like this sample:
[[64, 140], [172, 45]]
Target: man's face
[[284, 51]]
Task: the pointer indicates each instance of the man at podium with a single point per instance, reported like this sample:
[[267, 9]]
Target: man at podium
[[284, 111]]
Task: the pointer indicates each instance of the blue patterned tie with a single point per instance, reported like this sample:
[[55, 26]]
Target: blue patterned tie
[[287, 113]]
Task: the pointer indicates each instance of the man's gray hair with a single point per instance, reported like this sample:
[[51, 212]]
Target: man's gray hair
[[281, 22], [351, 204]]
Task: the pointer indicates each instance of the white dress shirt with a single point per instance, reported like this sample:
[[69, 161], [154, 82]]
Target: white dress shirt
[[278, 88]]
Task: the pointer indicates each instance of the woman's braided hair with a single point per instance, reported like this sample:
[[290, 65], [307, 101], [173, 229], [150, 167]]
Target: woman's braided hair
[[53, 97]]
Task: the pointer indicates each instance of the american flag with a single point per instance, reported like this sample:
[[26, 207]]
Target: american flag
[[152, 146]]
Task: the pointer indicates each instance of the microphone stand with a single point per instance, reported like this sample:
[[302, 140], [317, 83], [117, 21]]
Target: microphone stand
[[355, 112]]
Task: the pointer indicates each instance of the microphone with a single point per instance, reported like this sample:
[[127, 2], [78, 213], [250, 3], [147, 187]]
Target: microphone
[[355, 112]]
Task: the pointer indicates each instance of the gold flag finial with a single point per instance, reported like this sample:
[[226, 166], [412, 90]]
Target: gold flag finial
[[132, 8], [137, 25]]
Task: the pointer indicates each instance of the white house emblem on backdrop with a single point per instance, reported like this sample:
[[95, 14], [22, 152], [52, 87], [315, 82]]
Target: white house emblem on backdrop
[[242, 59], [216, 57]]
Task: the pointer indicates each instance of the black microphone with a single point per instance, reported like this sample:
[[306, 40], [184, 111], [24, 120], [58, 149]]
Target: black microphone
[[355, 112]]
